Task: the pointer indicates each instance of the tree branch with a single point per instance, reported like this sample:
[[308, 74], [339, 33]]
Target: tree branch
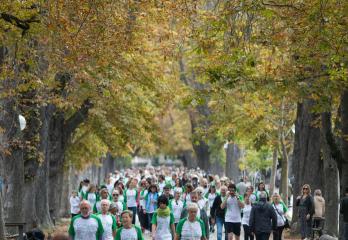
[[273, 4], [75, 120], [22, 24]]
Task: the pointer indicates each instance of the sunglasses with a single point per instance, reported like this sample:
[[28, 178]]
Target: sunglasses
[[305, 188], [114, 195]]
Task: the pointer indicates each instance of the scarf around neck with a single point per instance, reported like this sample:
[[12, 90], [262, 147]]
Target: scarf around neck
[[163, 212]]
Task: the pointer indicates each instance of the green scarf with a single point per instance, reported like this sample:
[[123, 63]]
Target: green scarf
[[163, 212]]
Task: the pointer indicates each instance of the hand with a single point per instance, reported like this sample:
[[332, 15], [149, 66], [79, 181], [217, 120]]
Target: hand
[[298, 197], [308, 216], [228, 193], [144, 211], [213, 221]]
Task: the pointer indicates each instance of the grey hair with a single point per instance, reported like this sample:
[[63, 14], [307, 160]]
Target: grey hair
[[191, 206]]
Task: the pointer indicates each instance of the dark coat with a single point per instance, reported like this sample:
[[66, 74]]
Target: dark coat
[[263, 218], [216, 210], [344, 208]]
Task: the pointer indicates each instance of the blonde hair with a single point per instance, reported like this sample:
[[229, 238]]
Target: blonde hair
[[307, 186]]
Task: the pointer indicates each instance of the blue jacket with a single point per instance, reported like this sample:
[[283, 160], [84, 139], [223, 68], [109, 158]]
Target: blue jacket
[[148, 201]]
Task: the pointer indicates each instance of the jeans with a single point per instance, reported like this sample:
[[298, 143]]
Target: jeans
[[219, 224], [248, 235], [262, 236], [134, 210], [149, 220]]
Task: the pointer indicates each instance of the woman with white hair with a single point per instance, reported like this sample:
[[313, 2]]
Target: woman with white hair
[[191, 227], [108, 221]]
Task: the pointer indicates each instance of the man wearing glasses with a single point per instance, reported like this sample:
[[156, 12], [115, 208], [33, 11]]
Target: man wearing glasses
[[233, 204]]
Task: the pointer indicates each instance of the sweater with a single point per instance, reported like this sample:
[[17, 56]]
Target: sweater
[[319, 206]]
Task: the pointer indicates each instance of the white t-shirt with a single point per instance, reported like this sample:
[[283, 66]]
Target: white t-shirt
[[233, 212], [246, 214], [202, 203], [131, 198], [177, 207], [85, 229], [163, 228], [280, 214], [92, 198], [191, 231], [129, 234], [74, 205], [107, 222]]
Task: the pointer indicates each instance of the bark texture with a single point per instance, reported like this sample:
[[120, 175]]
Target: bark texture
[[307, 165], [233, 154]]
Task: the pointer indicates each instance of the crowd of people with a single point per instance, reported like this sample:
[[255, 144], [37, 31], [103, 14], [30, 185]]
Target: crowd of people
[[183, 204]]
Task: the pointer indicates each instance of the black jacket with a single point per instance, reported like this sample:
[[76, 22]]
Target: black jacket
[[263, 218], [308, 203], [344, 208], [216, 210]]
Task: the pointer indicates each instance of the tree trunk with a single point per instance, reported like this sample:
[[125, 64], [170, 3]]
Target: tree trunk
[[307, 165], [331, 189], [13, 163], [274, 170], [344, 142], [2, 222], [284, 172], [233, 154]]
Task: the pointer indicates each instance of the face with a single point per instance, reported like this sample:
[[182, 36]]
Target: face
[[115, 197], [192, 214], [194, 197], [162, 205], [104, 194], [223, 191], [74, 194], [177, 195], [305, 190], [262, 186], [105, 207], [177, 181], [126, 219], [85, 209], [232, 191], [276, 198], [167, 191], [247, 200], [153, 189]]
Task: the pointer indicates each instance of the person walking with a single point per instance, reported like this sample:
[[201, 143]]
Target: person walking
[[176, 205], [163, 221], [319, 209], [191, 227], [344, 212], [151, 203], [217, 213], [128, 231], [109, 221], [248, 235], [202, 214], [241, 187], [233, 204], [280, 210], [263, 218], [74, 204], [85, 226], [305, 211], [130, 198]]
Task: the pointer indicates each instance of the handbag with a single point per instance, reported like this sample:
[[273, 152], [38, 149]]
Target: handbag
[[286, 221]]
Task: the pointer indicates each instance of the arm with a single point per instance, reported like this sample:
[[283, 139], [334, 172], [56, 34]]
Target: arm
[[172, 228], [223, 204], [274, 218], [252, 220], [240, 203]]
